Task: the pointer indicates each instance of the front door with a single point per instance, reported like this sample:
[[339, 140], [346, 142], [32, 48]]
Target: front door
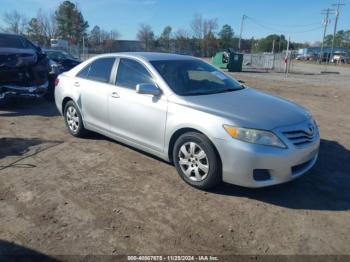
[[139, 118]]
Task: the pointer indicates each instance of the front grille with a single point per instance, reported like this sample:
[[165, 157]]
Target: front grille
[[301, 135]]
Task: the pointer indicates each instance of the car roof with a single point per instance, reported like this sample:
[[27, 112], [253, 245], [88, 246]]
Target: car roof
[[154, 56]]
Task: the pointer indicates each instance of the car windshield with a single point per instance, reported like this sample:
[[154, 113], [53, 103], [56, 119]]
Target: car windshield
[[58, 55], [194, 77], [11, 41]]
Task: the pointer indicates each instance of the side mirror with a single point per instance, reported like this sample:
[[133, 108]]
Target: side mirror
[[148, 89], [241, 81]]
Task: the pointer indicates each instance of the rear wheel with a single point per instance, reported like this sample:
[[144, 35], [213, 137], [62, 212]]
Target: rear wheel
[[73, 120], [196, 160]]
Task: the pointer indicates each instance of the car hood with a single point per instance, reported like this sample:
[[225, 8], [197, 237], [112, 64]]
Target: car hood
[[250, 108], [16, 57]]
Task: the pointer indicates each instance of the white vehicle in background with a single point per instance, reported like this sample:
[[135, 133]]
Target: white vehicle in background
[[59, 44], [340, 58]]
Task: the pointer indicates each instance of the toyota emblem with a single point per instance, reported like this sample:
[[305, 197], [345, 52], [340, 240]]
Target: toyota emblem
[[310, 130]]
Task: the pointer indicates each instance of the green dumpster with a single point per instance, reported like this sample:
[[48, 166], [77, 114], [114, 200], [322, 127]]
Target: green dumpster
[[228, 60]]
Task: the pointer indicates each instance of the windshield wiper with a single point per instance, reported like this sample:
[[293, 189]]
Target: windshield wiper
[[230, 89], [196, 94], [213, 92]]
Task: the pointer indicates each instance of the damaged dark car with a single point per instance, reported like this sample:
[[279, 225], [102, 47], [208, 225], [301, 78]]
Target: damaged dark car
[[24, 68]]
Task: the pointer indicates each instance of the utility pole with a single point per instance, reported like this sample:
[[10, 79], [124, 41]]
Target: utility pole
[[287, 58], [273, 46], [240, 34], [335, 24], [279, 44], [326, 22]]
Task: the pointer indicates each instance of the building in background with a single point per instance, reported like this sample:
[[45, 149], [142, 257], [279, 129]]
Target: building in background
[[129, 46]]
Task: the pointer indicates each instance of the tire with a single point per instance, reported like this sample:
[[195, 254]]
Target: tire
[[73, 120], [200, 170]]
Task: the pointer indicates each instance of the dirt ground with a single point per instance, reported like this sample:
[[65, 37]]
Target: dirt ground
[[63, 195]]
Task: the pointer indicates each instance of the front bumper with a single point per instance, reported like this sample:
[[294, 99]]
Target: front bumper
[[240, 159], [27, 91]]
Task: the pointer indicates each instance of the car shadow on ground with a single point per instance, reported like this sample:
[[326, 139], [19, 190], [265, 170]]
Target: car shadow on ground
[[325, 187], [90, 135], [13, 252], [24, 107]]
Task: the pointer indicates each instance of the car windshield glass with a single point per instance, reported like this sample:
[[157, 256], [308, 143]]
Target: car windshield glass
[[58, 55], [194, 77], [11, 41]]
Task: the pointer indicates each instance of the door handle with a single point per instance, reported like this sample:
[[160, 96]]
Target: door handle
[[115, 95], [77, 84]]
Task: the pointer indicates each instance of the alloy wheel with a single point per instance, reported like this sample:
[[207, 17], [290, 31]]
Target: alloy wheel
[[193, 161], [72, 119]]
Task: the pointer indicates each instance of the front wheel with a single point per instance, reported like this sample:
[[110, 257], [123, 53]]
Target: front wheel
[[196, 160]]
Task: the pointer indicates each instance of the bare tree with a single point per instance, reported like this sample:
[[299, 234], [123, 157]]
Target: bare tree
[[210, 42], [203, 31], [15, 22], [165, 39], [35, 32], [197, 26], [209, 26], [182, 41], [48, 25], [114, 34], [42, 28], [101, 40], [146, 36], [95, 36], [108, 35], [108, 39]]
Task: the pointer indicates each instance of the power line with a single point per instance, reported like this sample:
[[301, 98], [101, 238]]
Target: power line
[[282, 31], [282, 25]]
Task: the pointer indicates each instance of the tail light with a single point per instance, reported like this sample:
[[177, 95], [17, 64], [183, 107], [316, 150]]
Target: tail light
[[57, 80]]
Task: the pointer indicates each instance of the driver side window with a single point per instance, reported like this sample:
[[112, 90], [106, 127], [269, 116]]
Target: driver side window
[[130, 73]]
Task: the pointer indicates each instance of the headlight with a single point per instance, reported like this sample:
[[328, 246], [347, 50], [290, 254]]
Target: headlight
[[54, 67], [255, 136]]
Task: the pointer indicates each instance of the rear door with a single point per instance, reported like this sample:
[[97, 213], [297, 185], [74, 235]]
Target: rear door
[[95, 87]]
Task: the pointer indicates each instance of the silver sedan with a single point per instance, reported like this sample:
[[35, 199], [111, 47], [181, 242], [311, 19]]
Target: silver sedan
[[185, 111]]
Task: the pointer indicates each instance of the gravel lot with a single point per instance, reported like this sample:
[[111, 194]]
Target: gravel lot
[[63, 195]]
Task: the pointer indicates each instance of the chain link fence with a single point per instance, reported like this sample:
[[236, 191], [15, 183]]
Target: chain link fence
[[261, 62]]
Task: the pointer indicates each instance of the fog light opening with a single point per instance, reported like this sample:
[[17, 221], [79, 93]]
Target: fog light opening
[[261, 175]]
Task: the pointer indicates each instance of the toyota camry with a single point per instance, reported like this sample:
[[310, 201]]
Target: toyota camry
[[186, 111]]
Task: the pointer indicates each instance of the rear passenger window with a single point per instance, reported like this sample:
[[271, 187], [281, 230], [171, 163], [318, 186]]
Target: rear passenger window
[[85, 72], [130, 73], [99, 70]]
